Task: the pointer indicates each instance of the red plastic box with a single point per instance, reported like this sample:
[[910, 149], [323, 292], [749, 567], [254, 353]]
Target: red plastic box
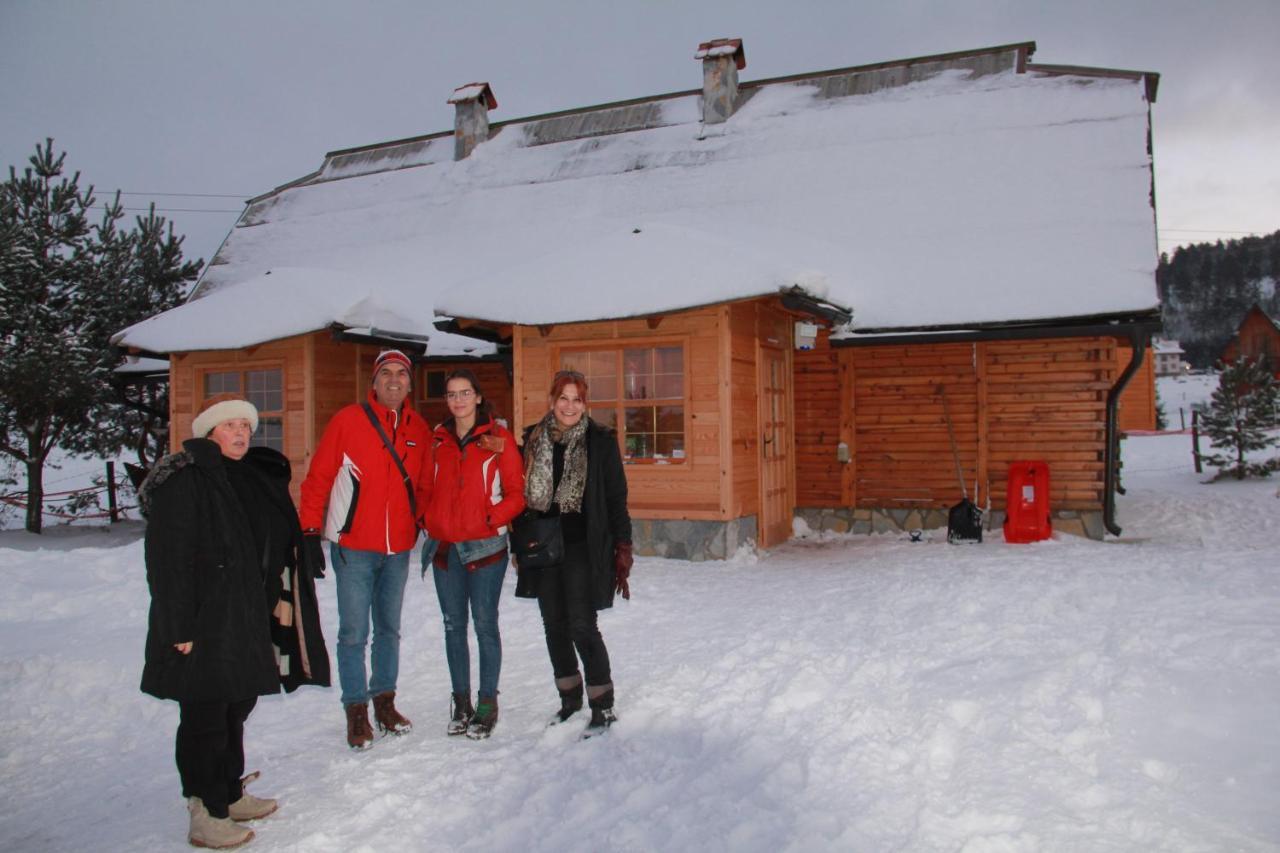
[[1027, 503]]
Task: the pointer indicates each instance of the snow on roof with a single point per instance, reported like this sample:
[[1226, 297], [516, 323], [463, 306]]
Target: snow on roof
[[1162, 345], [955, 201], [290, 301]]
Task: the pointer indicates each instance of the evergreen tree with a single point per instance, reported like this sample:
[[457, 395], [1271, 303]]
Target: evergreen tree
[[65, 287], [1241, 410]]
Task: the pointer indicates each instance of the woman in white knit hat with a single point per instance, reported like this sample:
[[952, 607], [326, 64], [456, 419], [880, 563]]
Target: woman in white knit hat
[[233, 608]]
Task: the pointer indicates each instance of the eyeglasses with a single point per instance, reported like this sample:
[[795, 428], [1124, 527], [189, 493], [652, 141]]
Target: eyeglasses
[[464, 394]]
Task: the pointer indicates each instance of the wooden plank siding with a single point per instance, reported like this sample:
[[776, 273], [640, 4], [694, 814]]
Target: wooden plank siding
[[1137, 406], [1008, 400], [819, 474]]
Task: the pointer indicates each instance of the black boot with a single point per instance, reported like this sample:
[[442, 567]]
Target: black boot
[[460, 713], [570, 700], [602, 715]]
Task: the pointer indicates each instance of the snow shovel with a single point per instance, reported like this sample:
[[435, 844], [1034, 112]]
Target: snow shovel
[[964, 520]]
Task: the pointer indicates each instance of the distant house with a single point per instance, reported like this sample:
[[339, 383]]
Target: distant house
[[789, 296], [1168, 357], [1257, 337]]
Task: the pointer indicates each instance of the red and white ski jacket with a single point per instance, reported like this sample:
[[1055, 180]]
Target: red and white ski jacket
[[477, 490], [353, 490]]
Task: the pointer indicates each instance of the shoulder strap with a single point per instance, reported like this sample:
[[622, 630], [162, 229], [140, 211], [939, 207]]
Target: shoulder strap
[[391, 448]]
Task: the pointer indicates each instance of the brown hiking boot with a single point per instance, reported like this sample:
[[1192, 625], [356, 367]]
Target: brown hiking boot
[[359, 732], [486, 717], [389, 719], [460, 713]]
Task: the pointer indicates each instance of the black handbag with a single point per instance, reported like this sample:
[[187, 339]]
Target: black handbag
[[537, 541]]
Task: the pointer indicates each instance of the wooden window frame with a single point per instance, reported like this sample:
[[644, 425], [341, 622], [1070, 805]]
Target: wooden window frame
[[620, 403], [243, 369]]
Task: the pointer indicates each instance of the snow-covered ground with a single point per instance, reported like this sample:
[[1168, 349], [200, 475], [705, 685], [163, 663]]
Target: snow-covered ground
[[837, 693]]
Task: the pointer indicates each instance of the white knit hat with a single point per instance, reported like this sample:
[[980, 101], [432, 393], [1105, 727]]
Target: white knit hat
[[223, 407]]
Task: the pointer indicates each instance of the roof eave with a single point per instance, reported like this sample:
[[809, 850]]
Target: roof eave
[[1098, 325]]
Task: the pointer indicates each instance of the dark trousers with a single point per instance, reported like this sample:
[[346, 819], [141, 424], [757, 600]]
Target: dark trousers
[[569, 618], [210, 751]]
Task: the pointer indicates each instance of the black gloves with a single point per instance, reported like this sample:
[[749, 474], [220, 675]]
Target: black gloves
[[313, 553]]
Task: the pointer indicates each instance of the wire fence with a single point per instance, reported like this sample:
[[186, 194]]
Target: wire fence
[[80, 504]]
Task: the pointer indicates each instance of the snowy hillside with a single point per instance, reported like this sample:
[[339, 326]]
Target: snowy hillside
[[842, 693]]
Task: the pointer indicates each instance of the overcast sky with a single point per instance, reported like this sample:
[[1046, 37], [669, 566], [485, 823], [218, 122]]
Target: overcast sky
[[199, 105]]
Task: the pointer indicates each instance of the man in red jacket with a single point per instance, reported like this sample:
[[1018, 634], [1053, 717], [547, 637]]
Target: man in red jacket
[[368, 485]]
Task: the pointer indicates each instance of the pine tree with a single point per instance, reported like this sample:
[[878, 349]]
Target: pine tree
[[65, 287], [1241, 410]]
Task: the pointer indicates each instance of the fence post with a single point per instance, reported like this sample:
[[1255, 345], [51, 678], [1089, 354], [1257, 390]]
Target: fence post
[[1195, 438], [1182, 418], [112, 508]]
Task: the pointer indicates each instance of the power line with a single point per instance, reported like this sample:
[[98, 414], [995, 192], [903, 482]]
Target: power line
[[173, 209], [195, 195]]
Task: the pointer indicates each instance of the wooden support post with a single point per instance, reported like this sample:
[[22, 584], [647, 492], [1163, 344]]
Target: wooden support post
[[112, 507], [1195, 438]]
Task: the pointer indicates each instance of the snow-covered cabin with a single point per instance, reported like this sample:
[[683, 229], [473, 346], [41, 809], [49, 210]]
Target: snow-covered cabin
[[790, 296], [1257, 337]]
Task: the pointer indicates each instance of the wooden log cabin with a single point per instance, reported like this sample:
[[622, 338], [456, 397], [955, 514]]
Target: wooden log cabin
[[787, 295], [1257, 338]]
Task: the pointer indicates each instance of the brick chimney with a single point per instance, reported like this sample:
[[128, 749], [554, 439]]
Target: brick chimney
[[472, 103], [722, 59]]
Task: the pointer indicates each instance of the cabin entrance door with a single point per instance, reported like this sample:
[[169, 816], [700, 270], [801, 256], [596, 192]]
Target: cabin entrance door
[[777, 440]]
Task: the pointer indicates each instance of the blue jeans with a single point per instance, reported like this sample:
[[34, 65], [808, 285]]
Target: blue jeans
[[369, 583], [481, 588]]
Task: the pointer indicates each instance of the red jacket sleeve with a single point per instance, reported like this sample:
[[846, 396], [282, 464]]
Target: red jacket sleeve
[[424, 480], [319, 481], [511, 467]]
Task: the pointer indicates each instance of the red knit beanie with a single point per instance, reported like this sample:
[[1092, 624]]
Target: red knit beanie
[[391, 356]]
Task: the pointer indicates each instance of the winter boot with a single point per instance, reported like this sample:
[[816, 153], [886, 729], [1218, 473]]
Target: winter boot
[[390, 721], [249, 807], [359, 732], [216, 833], [460, 713], [570, 698], [486, 717], [602, 715]]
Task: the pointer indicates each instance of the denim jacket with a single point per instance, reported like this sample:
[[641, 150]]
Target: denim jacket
[[468, 552]]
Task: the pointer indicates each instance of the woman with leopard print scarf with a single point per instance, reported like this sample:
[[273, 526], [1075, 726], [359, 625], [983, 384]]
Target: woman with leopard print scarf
[[573, 471]]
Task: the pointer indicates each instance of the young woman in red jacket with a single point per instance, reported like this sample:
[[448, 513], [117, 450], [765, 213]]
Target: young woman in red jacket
[[478, 490]]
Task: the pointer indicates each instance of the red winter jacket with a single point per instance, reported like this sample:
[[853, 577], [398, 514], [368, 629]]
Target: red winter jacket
[[477, 491], [354, 476]]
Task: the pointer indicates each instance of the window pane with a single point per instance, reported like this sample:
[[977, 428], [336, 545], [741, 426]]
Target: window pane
[[605, 416], [266, 389], [435, 384], [670, 446], [221, 383], [670, 419], [639, 419], [668, 372], [639, 446], [270, 434]]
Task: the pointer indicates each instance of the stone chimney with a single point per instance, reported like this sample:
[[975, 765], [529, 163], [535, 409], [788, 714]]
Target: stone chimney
[[472, 103], [722, 59]]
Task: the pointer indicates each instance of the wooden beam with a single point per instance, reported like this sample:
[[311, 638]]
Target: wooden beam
[[654, 322], [545, 329]]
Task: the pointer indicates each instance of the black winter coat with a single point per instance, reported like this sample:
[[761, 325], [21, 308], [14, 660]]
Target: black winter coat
[[604, 507], [295, 625], [207, 585]]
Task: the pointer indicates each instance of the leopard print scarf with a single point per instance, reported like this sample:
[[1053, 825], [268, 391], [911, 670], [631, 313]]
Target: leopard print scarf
[[539, 465]]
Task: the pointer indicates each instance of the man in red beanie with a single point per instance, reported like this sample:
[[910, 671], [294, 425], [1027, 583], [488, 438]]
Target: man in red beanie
[[369, 482]]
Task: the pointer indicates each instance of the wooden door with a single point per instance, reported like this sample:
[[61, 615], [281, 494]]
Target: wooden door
[[777, 493]]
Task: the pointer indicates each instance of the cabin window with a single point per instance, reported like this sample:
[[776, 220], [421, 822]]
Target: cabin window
[[263, 388], [640, 392], [435, 384]]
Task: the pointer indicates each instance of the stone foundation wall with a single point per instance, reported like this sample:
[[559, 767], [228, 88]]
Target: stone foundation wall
[[1086, 523], [692, 540]]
